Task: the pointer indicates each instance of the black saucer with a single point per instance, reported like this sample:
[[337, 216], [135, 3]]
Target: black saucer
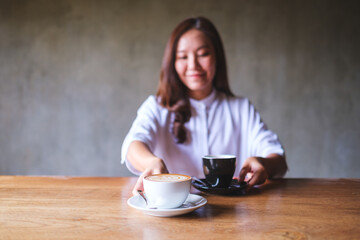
[[235, 188]]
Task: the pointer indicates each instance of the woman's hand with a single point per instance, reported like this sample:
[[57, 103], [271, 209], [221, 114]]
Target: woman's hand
[[254, 169], [144, 161], [259, 169], [156, 166]]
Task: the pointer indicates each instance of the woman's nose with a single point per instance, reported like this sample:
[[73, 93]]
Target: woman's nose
[[192, 62]]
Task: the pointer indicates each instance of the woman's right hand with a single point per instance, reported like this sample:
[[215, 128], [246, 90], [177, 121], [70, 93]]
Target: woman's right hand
[[156, 166]]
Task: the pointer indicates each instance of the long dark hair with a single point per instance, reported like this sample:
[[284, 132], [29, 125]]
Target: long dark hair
[[171, 91]]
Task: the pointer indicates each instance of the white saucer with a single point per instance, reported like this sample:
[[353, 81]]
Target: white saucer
[[192, 203]]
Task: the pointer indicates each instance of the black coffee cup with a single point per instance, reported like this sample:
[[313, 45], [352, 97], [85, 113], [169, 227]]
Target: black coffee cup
[[219, 170]]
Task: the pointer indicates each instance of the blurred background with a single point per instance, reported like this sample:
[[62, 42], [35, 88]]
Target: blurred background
[[74, 72]]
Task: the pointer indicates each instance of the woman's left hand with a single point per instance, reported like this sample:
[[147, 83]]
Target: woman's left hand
[[258, 173], [156, 166]]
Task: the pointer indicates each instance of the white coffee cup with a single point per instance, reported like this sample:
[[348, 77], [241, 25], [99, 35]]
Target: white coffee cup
[[166, 190]]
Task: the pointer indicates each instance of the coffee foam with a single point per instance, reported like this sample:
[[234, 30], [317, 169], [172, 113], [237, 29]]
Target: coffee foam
[[168, 178]]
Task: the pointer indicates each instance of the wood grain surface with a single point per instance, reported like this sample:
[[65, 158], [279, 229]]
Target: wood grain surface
[[96, 208]]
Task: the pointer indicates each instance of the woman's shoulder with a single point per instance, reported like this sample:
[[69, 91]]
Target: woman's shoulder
[[152, 104], [150, 100]]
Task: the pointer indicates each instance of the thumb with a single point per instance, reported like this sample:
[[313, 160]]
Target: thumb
[[245, 169], [138, 185]]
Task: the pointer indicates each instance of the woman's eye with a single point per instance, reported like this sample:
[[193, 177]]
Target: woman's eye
[[181, 57], [204, 54]]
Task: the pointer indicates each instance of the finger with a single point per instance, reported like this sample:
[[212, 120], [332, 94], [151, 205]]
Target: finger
[[257, 179], [158, 171], [138, 185], [254, 179], [248, 176], [163, 169], [243, 173], [251, 182]]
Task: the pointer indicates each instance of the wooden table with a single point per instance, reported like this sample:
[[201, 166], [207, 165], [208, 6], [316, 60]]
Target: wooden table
[[96, 208]]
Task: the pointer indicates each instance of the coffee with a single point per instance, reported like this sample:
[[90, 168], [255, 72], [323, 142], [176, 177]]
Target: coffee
[[167, 190], [168, 178], [219, 170]]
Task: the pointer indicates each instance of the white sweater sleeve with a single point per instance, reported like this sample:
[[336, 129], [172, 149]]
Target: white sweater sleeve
[[262, 141], [144, 129]]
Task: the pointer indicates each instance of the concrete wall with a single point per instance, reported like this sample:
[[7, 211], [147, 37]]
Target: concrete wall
[[73, 73]]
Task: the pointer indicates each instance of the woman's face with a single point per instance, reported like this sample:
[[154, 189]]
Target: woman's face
[[195, 63]]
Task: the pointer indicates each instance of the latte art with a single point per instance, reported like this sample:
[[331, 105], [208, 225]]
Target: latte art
[[168, 178], [167, 190]]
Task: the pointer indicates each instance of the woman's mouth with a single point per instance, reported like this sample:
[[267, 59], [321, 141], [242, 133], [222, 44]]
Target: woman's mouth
[[195, 75]]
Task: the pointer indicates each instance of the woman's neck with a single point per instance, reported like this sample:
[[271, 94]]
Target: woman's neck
[[200, 95]]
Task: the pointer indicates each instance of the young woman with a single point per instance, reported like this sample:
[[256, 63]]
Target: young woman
[[194, 113]]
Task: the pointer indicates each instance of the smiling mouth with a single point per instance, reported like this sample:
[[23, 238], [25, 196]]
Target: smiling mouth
[[196, 75]]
